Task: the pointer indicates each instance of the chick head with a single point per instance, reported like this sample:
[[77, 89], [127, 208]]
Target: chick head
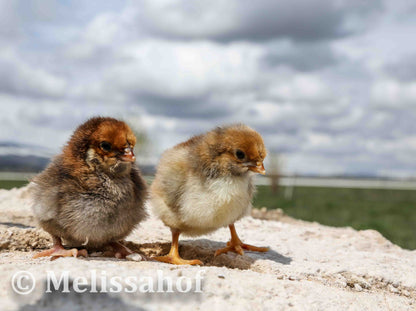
[[237, 149], [104, 142]]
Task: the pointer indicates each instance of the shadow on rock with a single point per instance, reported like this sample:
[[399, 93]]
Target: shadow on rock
[[17, 225], [204, 249], [59, 300]]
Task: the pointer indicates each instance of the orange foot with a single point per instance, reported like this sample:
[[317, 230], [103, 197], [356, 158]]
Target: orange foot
[[58, 251], [173, 256], [176, 260], [235, 245], [238, 248]]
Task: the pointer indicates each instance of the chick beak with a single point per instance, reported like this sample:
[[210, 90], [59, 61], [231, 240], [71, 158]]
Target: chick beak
[[258, 168], [128, 155]]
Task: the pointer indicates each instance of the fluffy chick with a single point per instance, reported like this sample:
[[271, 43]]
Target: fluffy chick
[[206, 183], [92, 194]]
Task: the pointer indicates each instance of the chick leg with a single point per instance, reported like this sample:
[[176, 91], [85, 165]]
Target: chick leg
[[235, 245], [173, 256], [58, 250]]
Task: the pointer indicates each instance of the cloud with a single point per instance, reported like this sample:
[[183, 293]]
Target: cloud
[[300, 56], [19, 78], [391, 94], [298, 88], [320, 80], [9, 20], [300, 20], [403, 69], [182, 80]]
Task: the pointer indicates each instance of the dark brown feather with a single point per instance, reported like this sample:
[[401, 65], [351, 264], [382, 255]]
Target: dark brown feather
[[82, 196]]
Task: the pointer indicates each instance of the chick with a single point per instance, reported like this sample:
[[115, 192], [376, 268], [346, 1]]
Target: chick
[[92, 194], [206, 183]]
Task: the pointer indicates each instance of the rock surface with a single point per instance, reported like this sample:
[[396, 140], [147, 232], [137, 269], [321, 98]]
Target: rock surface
[[308, 267]]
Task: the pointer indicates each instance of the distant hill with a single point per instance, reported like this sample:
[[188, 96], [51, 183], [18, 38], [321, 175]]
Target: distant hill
[[21, 157], [17, 157], [22, 163], [28, 163]]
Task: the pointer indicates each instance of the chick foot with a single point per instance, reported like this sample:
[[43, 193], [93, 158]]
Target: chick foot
[[59, 251], [238, 248], [235, 245], [177, 260], [173, 256], [118, 250]]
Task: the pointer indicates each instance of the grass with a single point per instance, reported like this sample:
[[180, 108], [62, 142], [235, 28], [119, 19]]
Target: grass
[[391, 212], [9, 184]]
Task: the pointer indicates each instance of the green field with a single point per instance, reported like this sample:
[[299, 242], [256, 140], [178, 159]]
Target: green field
[[9, 184], [391, 212]]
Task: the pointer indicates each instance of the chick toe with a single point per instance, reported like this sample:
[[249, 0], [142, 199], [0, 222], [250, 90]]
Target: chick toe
[[59, 251], [120, 251], [236, 248], [254, 248], [235, 245], [177, 260]]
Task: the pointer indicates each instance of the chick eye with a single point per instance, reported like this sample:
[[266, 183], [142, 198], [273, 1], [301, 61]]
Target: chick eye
[[240, 154], [105, 145]]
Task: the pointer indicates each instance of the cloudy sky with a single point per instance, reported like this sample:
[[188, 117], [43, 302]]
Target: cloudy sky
[[331, 85]]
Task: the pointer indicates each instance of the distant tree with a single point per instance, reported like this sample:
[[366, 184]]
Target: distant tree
[[274, 171], [145, 146]]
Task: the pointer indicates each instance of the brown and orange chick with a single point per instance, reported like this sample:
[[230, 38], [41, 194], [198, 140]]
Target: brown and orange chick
[[206, 183], [91, 195]]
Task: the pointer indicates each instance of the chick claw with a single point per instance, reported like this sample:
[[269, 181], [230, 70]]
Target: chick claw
[[238, 248], [176, 260], [57, 252]]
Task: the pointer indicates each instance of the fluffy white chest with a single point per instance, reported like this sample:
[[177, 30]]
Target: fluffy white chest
[[215, 203]]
